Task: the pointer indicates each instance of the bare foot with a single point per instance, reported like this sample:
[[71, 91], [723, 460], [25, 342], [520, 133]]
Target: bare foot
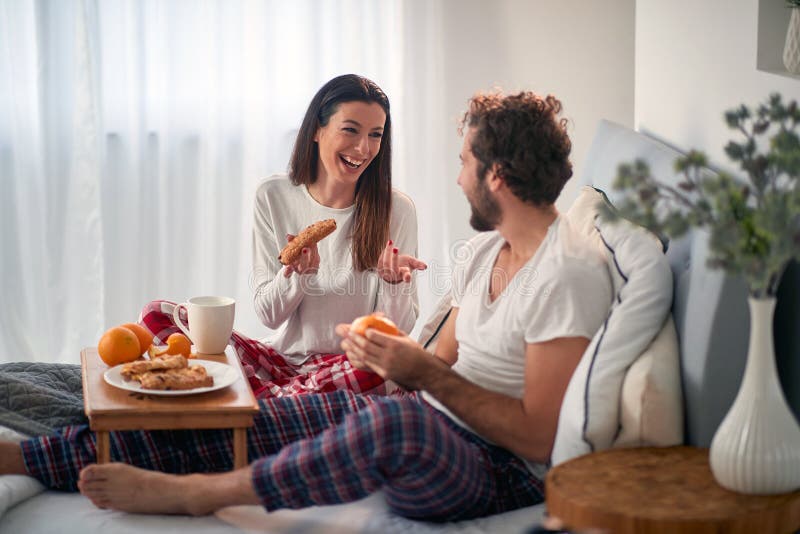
[[11, 459], [130, 489]]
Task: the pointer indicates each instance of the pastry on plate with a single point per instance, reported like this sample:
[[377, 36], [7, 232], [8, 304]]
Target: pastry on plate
[[139, 367], [192, 377]]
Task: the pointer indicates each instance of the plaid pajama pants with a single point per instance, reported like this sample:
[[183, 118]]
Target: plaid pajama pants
[[324, 449], [269, 374]]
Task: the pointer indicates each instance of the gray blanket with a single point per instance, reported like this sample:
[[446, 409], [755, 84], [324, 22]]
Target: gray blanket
[[38, 398]]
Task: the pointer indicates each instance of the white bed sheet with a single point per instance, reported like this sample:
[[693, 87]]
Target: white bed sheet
[[54, 512]]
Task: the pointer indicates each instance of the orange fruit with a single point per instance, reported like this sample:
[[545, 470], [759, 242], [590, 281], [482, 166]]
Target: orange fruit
[[378, 322], [142, 334], [176, 344], [118, 345]]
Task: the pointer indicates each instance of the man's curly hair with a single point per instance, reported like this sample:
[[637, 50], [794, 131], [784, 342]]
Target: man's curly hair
[[523, 135]]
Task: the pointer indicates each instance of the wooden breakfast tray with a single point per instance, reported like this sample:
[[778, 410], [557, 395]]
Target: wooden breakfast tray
[[109, 408]]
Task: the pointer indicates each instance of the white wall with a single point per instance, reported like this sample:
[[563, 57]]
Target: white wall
[[580, 51], [694, 60]]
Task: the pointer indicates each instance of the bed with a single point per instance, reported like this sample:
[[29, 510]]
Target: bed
[[710, 317]]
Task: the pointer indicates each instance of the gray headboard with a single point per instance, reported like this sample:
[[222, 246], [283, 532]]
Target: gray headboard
[[709, 308]]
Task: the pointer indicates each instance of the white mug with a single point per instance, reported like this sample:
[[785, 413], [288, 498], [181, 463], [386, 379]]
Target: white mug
[[210, 322]]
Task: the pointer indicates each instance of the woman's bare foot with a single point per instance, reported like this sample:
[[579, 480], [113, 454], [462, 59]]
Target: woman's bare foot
[[11, 459], [130, 489]]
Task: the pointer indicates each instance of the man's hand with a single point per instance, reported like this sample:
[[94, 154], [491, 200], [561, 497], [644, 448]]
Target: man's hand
[[395, 267], [397, 358], [343, 330], [307, 263]]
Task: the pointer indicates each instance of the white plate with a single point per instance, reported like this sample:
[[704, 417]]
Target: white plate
[[224, 375]]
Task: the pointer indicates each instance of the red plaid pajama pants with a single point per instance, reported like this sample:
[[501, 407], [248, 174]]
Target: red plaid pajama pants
[[269, 374], [323, 449]]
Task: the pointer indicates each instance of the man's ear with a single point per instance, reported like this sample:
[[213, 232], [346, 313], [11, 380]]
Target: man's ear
[[494, 178]]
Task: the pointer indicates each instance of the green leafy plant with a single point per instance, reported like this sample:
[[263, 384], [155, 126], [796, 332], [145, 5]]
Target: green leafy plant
[[792, 3], [753, 224]]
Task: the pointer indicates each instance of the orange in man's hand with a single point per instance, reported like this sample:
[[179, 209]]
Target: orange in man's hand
[[118, 345], [176, 344], [142, 334], [378, 322]]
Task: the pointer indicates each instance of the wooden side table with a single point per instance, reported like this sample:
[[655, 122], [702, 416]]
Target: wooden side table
[[109, 408], [660, 490]]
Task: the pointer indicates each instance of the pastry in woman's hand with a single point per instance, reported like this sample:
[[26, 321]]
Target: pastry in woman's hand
[[309, 236]]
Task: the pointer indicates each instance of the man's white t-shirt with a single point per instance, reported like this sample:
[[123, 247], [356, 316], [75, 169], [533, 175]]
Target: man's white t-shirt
[[564, 290], [304, 309]]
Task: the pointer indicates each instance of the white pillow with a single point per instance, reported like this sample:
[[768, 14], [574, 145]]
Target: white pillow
[[6, 434], [651, 408], [429, 335], [590, 413], [16, 488]]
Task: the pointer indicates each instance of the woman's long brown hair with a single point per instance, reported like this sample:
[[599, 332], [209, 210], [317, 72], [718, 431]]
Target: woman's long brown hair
[[374, 187]]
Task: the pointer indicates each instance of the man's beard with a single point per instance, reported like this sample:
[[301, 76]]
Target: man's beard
[[486, 213]]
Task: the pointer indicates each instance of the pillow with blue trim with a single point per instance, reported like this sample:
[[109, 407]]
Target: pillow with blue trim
[[590, 417]]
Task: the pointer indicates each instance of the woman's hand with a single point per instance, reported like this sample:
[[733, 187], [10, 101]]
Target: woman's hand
[[307, 263], [395, 267]]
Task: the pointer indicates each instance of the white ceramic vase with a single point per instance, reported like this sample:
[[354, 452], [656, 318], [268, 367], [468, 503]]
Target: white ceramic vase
[[791, 50], [756, 449]]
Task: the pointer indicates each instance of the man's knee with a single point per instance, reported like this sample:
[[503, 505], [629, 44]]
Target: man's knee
[[403, 427]]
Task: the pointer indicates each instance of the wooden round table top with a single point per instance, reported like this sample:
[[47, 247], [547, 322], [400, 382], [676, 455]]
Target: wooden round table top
[[660, 490]]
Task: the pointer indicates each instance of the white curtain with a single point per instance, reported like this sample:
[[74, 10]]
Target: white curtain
[[133, 134]]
